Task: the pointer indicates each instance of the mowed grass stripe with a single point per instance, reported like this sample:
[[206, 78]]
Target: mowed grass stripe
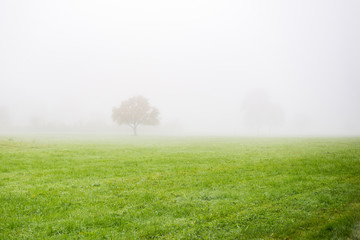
[[182, 188]]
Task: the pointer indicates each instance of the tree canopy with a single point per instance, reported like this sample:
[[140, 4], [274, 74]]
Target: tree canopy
[[134, 112]]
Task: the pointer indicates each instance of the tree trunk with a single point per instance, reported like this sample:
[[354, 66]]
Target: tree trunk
[[134, 129]]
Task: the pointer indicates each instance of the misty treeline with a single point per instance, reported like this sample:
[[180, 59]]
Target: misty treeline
[[259, 115]]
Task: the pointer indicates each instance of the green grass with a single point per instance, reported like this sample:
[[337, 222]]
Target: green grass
[[180, 188]]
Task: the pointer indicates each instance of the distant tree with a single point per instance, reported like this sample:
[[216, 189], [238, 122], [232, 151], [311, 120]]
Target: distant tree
[[134, 112], [4, 117], [260, 113]]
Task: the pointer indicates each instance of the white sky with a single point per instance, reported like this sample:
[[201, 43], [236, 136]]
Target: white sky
[[195, 60]]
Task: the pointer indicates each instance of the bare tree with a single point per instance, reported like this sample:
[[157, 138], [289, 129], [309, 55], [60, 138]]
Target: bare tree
[[134, 112]]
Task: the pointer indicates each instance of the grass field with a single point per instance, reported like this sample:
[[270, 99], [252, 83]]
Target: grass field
[[180, 188]]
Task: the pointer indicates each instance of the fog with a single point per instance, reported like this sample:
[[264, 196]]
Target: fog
[[210, 67]]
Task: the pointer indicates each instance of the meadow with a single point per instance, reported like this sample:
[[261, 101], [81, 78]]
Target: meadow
[[180, 188]]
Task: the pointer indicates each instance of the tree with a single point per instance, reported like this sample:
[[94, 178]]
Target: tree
[[134, 112], [4, 117], [260, 112]]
